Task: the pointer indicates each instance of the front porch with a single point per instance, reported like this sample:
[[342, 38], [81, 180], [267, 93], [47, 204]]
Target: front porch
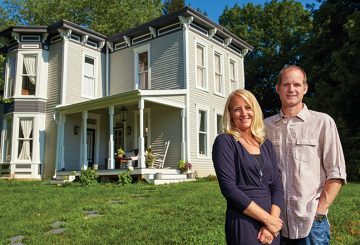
[[156, 176]]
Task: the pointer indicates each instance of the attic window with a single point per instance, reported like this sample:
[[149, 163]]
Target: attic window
[[75, 38], [120, 45], [30, 38], [55, 39], [199, 29], [91, 44], [142, 38], [218, 39], [169, 28]]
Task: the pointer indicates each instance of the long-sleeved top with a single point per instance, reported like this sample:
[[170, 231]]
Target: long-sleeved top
[[238, 173], [308, 152]]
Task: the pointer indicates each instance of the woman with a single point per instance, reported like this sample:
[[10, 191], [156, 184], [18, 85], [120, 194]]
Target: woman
[[248, 175]]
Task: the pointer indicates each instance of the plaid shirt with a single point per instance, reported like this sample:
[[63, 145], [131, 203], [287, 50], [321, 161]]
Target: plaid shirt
[[309, 152]]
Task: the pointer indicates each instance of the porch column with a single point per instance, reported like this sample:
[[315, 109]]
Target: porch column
[[110, 161], [84, 141], [3, 136], [183, 135], [141, 135], [59, 161]]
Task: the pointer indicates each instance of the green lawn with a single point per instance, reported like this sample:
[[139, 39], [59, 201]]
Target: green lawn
[[189, 213]]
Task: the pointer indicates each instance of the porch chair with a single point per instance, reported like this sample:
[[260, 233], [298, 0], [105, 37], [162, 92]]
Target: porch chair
[[160, 158]]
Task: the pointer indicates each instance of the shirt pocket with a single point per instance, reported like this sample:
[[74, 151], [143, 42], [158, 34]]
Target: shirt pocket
[[305, 149]]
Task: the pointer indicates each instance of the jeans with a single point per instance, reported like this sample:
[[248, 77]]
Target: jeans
[[319, 235]]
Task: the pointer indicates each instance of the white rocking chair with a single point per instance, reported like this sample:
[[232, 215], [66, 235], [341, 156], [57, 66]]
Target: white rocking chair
[[160, 158]]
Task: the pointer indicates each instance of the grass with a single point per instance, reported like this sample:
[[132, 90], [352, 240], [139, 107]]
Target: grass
[[189, 213]]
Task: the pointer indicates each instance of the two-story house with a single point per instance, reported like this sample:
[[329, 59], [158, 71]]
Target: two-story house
[[79, 95]]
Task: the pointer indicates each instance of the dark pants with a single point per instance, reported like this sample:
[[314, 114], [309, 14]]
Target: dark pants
[[319, 235]]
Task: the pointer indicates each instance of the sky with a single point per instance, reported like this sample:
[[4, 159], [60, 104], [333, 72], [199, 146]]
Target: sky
[[215, 8]]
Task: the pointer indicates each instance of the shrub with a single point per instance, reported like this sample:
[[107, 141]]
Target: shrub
[[181, 165], [125, 178], [211, 177], [88, 177]]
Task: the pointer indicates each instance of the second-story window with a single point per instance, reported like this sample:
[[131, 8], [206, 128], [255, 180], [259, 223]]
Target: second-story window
[[219, 86], [143, 70], [29, 73], [11, 75], [233, 80], [200, 67], [88, 86]]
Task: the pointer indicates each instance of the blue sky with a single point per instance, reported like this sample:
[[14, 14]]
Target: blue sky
[[215, 8]]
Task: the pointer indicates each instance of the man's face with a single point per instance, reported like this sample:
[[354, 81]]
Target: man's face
[[292, 89]]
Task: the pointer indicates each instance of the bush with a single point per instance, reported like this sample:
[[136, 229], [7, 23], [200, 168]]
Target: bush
[[211, 177], [88, 177], [125, 178]]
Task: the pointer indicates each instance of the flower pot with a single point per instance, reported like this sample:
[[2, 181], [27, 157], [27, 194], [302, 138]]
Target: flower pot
[[158, 176], [96, 166], [190, 175]]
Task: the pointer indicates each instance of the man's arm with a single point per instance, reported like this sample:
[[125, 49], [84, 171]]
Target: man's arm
[[328, 195]]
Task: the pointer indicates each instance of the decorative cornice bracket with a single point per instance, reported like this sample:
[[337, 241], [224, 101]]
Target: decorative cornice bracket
[[152, 31], [186, 21], [127, 40]]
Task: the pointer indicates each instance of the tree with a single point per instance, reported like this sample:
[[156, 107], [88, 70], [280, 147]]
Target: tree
[[333, 67], [173, 5], [106, 16], [278, 31]]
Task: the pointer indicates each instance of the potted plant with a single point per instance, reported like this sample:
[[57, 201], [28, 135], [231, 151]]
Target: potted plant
[[188, 167], [149, 158], [120, 152], [181, 165]]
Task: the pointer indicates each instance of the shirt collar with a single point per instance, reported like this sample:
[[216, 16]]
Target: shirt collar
[[303, 114]]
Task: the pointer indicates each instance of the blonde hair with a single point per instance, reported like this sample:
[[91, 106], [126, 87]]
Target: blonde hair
[[257, 127]]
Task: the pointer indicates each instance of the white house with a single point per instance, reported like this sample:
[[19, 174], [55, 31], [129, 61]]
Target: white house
[[78, 95]]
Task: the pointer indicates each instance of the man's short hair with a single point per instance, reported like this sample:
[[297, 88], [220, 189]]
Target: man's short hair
[[281, 73]]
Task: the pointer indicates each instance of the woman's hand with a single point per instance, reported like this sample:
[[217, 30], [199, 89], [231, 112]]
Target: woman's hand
[[265, 236], [273, 224]]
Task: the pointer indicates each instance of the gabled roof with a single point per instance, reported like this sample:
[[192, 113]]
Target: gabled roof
[[173, 18]]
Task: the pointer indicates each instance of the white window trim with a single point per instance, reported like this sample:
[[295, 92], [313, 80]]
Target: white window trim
[[222, 72], [137, 51], [19, 67], [231, 59], [7, 92], [206, 88], [95, 57], [198, 155], [217, 113], [35, 139]]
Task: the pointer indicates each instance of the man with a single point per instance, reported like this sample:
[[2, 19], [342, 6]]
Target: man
[[310, 158]]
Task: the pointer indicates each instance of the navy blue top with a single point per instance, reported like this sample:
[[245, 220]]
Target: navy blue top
[[238, 175]]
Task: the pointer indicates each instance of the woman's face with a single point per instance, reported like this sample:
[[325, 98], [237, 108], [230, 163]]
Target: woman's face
[[241, 113]]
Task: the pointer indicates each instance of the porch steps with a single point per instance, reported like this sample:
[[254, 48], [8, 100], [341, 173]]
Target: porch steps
[[62, 179], [166, 178]]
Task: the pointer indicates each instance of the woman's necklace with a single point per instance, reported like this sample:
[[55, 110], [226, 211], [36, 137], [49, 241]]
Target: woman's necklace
[[260, 172]]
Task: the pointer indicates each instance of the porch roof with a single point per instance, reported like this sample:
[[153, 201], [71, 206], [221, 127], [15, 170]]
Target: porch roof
[[156, 96]]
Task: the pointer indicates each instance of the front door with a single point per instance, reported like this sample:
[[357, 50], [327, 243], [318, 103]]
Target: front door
[[90, 147]]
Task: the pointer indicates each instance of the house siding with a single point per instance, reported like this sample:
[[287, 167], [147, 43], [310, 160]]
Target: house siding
[[53, 95], [166, 64], [75, 60], [206, 99], [166, 125]]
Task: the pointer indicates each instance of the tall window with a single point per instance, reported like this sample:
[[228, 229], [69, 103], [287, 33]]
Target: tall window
[[219, 124], [29, 73], [143, 70], [88, 86], [11, 74], [233, 82], [200, 64], [8, 140], [202, 124], [25, 139], [218, 74]]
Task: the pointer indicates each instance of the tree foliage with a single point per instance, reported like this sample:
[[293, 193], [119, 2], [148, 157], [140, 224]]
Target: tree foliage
[[106, 16], [333, 66], [277, 30], [173, 5]]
